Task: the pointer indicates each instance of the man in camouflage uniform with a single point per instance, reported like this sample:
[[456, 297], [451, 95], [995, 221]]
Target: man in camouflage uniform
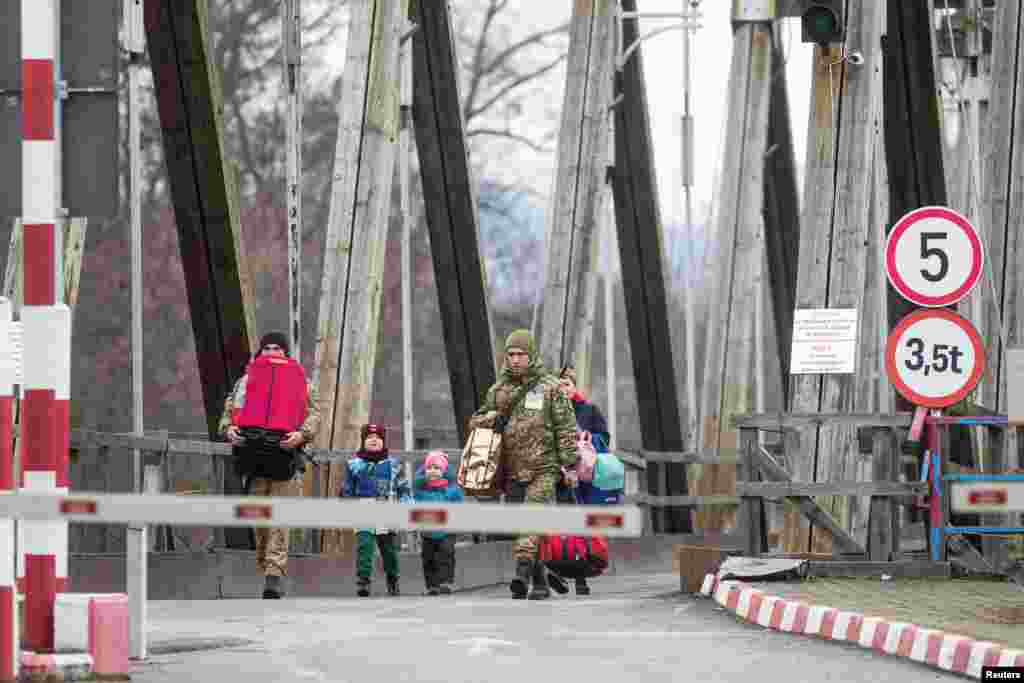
[[272, 543], [539, 440]]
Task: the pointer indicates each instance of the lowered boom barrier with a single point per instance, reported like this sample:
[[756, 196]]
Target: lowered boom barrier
[[334, 513]]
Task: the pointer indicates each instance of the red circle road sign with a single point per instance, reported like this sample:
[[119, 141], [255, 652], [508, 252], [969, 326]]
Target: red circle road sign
[[934, 358], [933, 256]]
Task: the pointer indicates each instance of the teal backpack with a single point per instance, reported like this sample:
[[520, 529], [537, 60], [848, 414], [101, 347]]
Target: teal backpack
[[609, 473]]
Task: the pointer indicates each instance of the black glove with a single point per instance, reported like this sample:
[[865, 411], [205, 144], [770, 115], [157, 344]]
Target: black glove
[[500, 422]]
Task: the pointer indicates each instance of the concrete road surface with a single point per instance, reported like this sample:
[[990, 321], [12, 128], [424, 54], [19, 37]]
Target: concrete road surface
[[631, 628]]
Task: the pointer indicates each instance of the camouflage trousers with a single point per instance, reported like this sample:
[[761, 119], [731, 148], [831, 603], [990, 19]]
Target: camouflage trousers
[[540, 489], [272, 543]]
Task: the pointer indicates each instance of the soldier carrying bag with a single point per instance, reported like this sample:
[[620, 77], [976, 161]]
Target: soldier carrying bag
[[480, 469]]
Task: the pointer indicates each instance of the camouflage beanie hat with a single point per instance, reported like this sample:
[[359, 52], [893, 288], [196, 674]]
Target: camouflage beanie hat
[[520, 339]]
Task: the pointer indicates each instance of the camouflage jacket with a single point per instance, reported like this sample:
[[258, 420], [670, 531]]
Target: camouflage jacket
[[541, 432], [236, 399]]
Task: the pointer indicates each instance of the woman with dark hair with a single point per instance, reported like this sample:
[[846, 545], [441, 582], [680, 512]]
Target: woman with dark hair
[[589, 418]]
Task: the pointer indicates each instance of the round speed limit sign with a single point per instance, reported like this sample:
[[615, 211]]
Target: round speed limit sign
[[933, 257], [934, 358]]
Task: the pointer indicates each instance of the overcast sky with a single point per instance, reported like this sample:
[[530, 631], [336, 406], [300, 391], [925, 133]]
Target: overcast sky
[[711, 53]]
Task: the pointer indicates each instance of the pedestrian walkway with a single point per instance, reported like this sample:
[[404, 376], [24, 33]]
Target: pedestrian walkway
[[957, 625], [637, 624]]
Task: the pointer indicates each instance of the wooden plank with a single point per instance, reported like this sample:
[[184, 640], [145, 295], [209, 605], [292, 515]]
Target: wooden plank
[[913, 138], [752, 508], [204, 194], [906, 569], [703, 458], [451, 211], [687, 501], [202, 190], [731, 385], [839, 196], [813, 276], [638, 219], [881, 542], [73, 239], [859, 110], [831, 488], [570, 285], [807, 507], [781, 215], [1004, 152], [357, 233], [797, 419]]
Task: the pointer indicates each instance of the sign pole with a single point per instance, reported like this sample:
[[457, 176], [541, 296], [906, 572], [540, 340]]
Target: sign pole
[[937, 540]]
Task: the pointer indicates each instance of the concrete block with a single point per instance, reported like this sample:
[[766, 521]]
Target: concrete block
[[70, 619], [108, 635]]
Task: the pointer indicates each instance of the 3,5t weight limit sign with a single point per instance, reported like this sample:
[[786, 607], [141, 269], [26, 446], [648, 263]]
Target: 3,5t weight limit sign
[[933, 257], [934, 358]]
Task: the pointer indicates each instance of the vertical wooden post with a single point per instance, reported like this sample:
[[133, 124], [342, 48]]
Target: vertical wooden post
[[566, 325], [357, 229], [881, 543], [844, 126], [782, 226], [751, 518], [913, 139], [449, 197], [205, 195], [638, 219], [291, 30], [1003, 207], [730, 384]]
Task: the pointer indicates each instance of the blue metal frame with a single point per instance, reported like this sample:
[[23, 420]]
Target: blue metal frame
[[931, 469], [938, 534], [984, 477], [984, 530]]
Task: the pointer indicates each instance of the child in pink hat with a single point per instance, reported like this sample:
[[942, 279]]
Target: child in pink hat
[[436, 485]]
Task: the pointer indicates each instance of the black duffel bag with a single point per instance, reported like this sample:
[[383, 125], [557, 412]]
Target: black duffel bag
[[260, 455]]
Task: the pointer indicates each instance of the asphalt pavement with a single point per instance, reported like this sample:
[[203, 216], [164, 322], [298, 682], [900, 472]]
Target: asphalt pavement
[[631, 626]]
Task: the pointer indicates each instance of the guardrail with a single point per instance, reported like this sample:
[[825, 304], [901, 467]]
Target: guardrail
[[993, 495]]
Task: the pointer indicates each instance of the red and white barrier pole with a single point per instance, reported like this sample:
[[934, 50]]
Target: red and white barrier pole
[[61, 364], [8, 601], [41, 327], [41, 207]]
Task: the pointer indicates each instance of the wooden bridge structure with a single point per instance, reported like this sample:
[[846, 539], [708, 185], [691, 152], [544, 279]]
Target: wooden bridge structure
[[900, 117]]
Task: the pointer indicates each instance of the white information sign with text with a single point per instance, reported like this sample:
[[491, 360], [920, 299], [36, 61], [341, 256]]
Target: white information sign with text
[[824, 341]]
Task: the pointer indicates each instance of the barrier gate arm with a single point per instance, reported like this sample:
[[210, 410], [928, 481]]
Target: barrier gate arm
[[624, 521]]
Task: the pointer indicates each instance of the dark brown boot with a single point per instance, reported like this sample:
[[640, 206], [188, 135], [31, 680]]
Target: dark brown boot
[[521, 584], [540, 582]]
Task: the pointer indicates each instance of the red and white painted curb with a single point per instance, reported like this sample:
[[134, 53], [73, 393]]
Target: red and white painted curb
[[70, 667], [945, 651]]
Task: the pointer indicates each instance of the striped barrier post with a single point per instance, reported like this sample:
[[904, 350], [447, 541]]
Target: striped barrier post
[[8, 599], [41, 327], [42, 272], [61, 365]]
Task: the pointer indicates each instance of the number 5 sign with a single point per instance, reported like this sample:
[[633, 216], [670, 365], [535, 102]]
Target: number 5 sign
[[933, 257], [934, 358]]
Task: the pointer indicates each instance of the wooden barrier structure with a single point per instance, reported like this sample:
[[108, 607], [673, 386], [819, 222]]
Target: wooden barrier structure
[[761, 475]]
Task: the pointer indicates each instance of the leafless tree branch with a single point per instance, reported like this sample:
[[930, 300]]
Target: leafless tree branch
[[498, 133], [516, 82]]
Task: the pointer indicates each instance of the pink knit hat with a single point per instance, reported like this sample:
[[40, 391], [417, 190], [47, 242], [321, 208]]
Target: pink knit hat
[[438, 458]]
